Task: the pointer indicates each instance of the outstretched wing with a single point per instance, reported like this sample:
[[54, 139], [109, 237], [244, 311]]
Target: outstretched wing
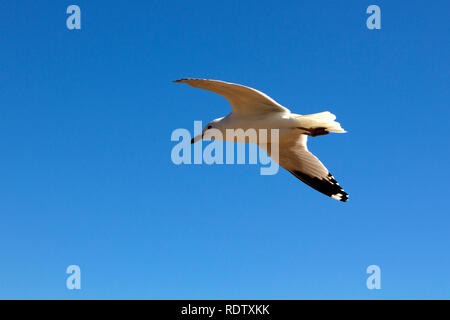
[[295, 157], [243, 100]]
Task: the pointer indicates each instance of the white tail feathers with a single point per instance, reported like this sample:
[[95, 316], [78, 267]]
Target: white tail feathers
[[323, 120]]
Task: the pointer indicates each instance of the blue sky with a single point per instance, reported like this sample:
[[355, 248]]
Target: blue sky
[[87, 179]]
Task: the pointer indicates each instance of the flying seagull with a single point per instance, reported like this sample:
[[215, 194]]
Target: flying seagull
[[254, 109]]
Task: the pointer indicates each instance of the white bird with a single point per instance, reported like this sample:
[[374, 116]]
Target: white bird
[[254, 109]]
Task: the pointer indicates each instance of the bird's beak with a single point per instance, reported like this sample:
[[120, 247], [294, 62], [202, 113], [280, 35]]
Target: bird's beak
[[197, 138]]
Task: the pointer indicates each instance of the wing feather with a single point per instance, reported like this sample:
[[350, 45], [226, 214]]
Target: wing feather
[[244, 100], [295, 157]]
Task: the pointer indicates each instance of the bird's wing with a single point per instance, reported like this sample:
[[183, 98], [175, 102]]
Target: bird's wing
[[243, 100], [295, 157]]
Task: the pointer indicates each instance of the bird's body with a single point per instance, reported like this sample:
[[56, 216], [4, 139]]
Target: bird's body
[[282, 121], [253, 110]]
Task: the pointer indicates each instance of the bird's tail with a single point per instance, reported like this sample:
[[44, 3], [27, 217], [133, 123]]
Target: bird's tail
[[320, 123]]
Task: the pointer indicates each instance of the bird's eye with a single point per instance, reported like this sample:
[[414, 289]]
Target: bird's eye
[[209, 127]]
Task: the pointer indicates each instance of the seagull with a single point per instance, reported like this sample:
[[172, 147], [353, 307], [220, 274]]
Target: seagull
[[254, 109]]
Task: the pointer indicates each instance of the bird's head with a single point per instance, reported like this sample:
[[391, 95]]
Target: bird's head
[[213, 130]]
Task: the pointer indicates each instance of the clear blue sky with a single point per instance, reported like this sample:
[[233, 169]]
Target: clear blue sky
[[86, 176]]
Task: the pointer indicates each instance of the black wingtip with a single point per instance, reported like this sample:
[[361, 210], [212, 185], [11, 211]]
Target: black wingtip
[[341, 196], [326, 185]]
